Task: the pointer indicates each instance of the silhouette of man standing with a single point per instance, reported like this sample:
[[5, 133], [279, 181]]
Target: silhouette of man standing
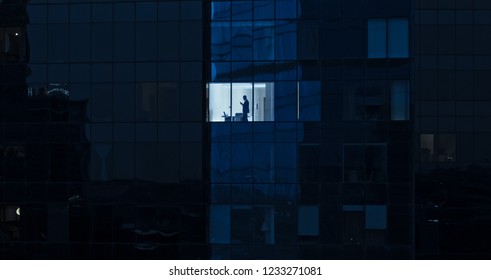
[[245, 108]]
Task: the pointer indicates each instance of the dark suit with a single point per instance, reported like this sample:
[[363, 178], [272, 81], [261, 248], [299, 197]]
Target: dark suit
[[245, 110]]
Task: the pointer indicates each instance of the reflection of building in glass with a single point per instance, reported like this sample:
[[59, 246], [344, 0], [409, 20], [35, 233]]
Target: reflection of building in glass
[[122, 132]]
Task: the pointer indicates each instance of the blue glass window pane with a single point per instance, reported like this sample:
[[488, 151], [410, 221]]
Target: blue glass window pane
[[286, 162], [220, 71], [79, 13], [310, 101], [376, 217], [169, 10], [263, 10], [219, 224], [242, 71], [263, 132], [102, 12], [241, 132], [398, 38], [58, 34], [242, 40], [242, 10], [263, 40], [220, 10], [264, 71], [286, 9], [400, 101], [220, 163], [37, 13], [146, 11], [78, 44], [37, 37], [286, 71], [377, 38], [220, 193], [286, 192], [58, 13], [286, 40], [308, 220], [263, 163], [241, 162], [286, 131], [220, 132], [146, 41], [124, 12], [285, 101], [220, 41]]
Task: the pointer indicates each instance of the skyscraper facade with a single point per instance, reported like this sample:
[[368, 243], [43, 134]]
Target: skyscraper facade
[[266, 129]]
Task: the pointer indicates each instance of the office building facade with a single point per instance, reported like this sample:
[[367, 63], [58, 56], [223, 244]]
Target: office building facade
[[278, 129]]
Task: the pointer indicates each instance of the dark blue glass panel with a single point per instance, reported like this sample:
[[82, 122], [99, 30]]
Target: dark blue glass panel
[[124, 12], [286, 71], [168, 40], [264, 40], [124, 102], [286, 192], [220, 132], [241, 132], [146, 11], [124, 132], [286, 9], [220, 71], [102, 102], [242, 10], [263, 10], [37, 37], [398, 38], [80, 13], [58, 13], [37, 13], [286, 162], [263, 163], [102, 12], [168, 10], [241, 162], [79, 42], [57, 37], [286, 131], [220, 10], [242, 71], [101, 42], [286, 40], [146, 41], [242, 40], [263, 132], [124, 72], [285, 101], [220, 163], [310, 101], [220, 41], [80, 73], [219, 224], [263, 193], [220, 193], [124, 41], [241, 193], [264, 71]]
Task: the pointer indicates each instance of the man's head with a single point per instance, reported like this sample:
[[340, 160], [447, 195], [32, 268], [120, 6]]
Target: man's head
[[244, 97]]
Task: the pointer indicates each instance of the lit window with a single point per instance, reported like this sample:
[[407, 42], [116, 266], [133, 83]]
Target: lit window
[[237, 102]]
